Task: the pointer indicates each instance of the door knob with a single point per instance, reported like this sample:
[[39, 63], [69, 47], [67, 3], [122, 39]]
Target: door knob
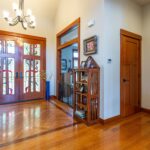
[[125, 80], [21, 75], [17, 75]]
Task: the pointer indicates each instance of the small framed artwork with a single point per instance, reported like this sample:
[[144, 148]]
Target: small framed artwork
[[64, 64], [90, 45], [83, 64], [90, 63]]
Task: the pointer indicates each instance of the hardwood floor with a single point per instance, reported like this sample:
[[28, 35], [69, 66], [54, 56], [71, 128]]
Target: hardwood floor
[[28, 120], [49, 126]]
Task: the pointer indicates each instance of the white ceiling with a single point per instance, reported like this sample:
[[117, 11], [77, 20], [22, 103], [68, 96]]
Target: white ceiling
[[142, 2], [41, 8]]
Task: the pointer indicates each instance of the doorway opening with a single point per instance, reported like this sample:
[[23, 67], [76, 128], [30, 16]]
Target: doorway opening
[[22, 59], [68, 58], [130, 75]]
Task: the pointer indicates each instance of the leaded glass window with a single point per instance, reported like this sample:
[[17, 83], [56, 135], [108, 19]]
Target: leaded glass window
[[11, 47]]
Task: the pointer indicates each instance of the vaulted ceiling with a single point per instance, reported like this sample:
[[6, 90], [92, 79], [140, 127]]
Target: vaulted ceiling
[[41, 8]]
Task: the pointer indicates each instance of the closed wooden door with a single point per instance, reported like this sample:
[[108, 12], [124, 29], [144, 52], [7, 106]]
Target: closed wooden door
[[130, 73], [9, 75]]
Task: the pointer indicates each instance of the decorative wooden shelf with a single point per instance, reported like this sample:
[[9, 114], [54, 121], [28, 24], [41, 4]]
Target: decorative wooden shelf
[[80, 93], [82, 82], [82, 106], [80, 119], [81, 70], [88, 103]]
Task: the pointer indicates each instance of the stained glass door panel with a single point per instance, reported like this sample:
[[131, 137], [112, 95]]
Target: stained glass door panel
[[32, 67], [31, 80], [8, 69], [21, 69]]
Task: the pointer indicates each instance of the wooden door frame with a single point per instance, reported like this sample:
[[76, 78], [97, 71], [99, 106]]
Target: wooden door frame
[[30, 37], [134, 36], [59, 47]]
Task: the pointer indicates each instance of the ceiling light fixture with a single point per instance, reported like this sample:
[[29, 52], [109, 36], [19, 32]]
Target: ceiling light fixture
[[27, 20]]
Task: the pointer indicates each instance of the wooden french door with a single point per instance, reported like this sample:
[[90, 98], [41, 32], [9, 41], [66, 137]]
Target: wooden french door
[[22, 68], [9, 85], [130, 73], [31, 70]]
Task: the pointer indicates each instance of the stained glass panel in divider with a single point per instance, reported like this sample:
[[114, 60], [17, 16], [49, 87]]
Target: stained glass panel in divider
[[37, 49], [27, 49], [3, 47], [11, 47], [0, 75], [32, 76], [0, 46], [0, 65], [70, 35], [11, 75], [4, 76], [32, 49], [26, 68], [37, 76]]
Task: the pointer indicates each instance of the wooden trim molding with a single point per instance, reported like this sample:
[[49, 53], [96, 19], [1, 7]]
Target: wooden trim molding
[[101, 121], [73, 24], [53, 97], [59, 47], [19, 35], [68, 43], [38, 135], [110, 120], [20, 102], [145, 110], [60, 108], [130, 34]]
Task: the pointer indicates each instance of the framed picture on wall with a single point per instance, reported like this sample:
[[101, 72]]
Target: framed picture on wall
[[64, 64], [90, 45]]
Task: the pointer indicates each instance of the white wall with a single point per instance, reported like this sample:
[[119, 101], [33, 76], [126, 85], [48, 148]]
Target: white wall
[[118, 14], [109, 18], [146, 58], [70, 10]]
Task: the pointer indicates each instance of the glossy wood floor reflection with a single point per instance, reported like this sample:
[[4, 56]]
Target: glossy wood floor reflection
[[25, 120], [133, 133]]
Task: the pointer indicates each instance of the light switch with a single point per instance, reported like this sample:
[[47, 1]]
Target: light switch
[[91, 23]]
